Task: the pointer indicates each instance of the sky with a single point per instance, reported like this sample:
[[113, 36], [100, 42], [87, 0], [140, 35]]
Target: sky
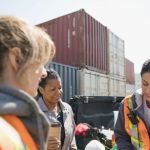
[[128, 19]]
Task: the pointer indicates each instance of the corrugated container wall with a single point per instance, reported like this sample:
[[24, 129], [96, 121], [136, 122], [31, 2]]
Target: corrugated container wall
[[116, 80], [117, 86], [93, 83], [70, 77], [116, 56], [80, 41], [137, 81], [130, 75], [130, 88]]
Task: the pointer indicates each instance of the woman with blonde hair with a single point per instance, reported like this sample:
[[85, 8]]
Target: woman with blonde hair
[[24, 50]]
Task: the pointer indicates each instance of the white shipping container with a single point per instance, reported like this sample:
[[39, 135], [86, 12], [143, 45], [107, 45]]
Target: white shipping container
[[116, 56], [93, 83], [130, 88], [137, 81], [117, 86]]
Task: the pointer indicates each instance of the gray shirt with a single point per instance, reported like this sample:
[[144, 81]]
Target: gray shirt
[[69, 124]]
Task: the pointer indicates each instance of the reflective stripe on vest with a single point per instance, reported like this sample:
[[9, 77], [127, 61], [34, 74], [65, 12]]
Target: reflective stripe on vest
[[9, 138], [138, 133], [23, 132], [17, 125]]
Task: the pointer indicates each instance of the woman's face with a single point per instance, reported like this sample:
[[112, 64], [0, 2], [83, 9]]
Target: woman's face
[[52, 92], [30, 79], [146, 86]]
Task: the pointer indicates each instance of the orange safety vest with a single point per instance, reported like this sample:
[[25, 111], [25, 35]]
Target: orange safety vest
[[14, 135], [137, 132]]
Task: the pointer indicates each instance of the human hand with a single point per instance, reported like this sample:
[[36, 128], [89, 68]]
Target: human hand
[[53, 143]]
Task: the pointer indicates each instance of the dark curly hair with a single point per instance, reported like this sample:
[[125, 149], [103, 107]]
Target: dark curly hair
[[51, 74]]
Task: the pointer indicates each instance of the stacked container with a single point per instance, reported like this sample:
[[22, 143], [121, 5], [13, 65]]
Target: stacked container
[[130, 76], [84, 43], [117, 84], [80, 41], [137, 81], [93, 83]]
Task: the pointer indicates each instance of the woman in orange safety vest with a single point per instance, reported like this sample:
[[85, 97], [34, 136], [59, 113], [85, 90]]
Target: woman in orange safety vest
[[132, 129], [24, 50]]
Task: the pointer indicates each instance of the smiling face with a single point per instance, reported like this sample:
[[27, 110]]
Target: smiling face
[[52, 91], [146, 86]]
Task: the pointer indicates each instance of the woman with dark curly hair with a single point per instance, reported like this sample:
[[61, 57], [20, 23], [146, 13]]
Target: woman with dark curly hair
[[50, 93]]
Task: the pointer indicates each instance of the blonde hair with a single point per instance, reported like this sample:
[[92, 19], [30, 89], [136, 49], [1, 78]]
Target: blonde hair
[[34, 42]]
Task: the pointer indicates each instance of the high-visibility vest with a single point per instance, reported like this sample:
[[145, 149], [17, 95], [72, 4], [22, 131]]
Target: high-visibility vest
[[14, 135], [137, 132]]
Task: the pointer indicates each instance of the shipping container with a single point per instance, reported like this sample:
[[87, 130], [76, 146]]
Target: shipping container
[[80, 40], [129, 70], [116, 56], [130, 88], [93, 83], [137, 81], [117, 86], [70, 77]]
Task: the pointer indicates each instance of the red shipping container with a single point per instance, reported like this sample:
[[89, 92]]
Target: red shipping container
[[129, 70], [80, 41]]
